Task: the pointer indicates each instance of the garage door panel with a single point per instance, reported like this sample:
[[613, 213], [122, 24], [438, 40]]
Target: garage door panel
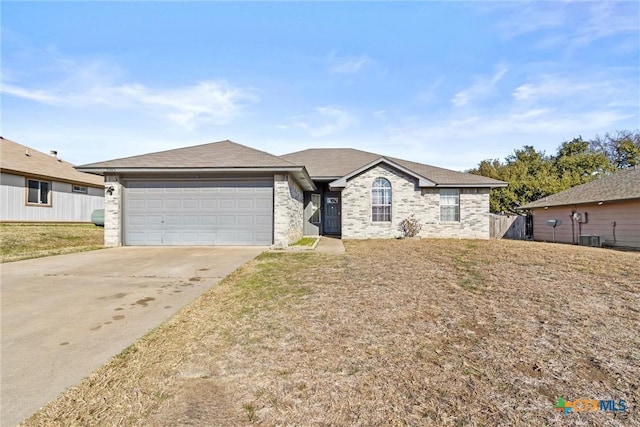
[[226, 220], [170, 220], [262, 236], [263, 220], [245, 203], [190, 219], [153, 220], [245, 219], [227, 203], [153, 204], [198, 212], [208, 219], [209, 203], [263, 204], [137, 219]]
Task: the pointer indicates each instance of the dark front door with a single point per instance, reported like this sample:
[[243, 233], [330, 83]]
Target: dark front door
[[332, 213]]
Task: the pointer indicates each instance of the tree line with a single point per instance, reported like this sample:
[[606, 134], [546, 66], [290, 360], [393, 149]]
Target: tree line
[[532, 174]]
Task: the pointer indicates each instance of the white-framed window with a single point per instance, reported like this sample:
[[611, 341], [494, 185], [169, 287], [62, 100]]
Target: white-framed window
[[38, 192], [381, 200], [450, 205], [79, 189], [315, 206]]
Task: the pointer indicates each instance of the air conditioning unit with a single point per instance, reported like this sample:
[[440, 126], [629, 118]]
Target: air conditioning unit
[[590, 240]]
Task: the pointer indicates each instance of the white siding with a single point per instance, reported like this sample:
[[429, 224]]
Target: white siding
[[66, 206]]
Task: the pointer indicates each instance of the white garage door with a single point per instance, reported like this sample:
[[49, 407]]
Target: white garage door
[[212, 212]]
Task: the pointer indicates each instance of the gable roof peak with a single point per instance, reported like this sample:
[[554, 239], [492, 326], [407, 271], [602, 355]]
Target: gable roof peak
[[335, 163], [220, 154]]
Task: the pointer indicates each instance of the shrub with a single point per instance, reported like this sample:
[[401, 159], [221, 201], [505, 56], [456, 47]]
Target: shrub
[[410, 227]]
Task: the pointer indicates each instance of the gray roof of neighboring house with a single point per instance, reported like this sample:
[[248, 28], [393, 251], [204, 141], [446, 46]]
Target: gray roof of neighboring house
[[21, 160], [223, 154], [622, 185], [333, 163]]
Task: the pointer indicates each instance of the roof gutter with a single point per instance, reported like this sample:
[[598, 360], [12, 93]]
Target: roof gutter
[[299, 172], [479, 185], [593, 202], [51, 178]]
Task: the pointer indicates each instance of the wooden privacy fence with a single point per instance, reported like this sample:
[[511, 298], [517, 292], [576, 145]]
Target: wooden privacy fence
[[508, 226]]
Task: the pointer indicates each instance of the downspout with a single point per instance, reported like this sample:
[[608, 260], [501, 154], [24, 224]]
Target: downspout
[[573, 229], [614, 232]]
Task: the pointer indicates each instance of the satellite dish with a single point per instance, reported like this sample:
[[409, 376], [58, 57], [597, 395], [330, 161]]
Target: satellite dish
[[554, 223]]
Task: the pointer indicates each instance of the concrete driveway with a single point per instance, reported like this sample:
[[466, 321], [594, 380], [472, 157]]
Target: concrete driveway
[[65, 316]]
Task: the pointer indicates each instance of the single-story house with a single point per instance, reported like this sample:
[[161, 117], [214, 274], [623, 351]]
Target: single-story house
[[224, 193], [38, 187], [602, 212]]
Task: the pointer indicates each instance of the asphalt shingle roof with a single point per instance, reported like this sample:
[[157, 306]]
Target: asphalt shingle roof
[[336, 162], [22, 160], [223, 154], [622, 185], [323, 163]]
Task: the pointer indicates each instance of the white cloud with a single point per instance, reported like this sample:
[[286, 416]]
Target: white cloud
[[92, 84], [606, 19], [326, 121], [579, 92], [570, 24], [482, 87], [522, 18], [209, 101], [380, 115], [461, 142], [347, 64]]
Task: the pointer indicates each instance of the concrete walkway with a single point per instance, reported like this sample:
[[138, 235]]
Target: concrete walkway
[[62, 317], [330, 245]]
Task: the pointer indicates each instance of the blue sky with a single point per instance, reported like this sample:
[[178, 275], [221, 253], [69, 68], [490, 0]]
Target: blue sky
[[442, 83]]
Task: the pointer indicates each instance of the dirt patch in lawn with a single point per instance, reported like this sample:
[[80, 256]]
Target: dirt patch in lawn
[[412, 332], [24, 241]]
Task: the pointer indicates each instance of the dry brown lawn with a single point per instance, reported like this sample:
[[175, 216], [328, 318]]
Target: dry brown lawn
[[26, 240], [410, 332]]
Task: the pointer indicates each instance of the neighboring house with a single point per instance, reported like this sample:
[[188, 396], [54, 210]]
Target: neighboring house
[[602, 212], [37, 187], [225, 193]]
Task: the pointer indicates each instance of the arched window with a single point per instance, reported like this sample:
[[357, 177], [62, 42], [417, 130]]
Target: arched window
[[381, 200]]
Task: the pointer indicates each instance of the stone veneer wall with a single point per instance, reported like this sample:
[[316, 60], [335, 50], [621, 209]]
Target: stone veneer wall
[[408, 199], [474, 215], [288, 206], [113, 211]]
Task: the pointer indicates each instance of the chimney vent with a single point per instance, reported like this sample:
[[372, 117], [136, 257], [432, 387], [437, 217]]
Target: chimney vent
[[54, 153]]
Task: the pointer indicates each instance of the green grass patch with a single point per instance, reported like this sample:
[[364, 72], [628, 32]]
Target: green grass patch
[[271, 283], [305, 241], [23, 241]]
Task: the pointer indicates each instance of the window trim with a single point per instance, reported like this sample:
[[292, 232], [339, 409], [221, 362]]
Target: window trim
[[456, 205], [49, 192], [387, 208], [80, 189]]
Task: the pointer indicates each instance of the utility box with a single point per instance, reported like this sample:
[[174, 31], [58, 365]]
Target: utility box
[[590, 240]]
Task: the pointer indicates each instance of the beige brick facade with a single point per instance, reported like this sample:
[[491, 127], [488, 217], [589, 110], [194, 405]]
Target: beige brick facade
[[113, 211], [407, 199], [288, 208]]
